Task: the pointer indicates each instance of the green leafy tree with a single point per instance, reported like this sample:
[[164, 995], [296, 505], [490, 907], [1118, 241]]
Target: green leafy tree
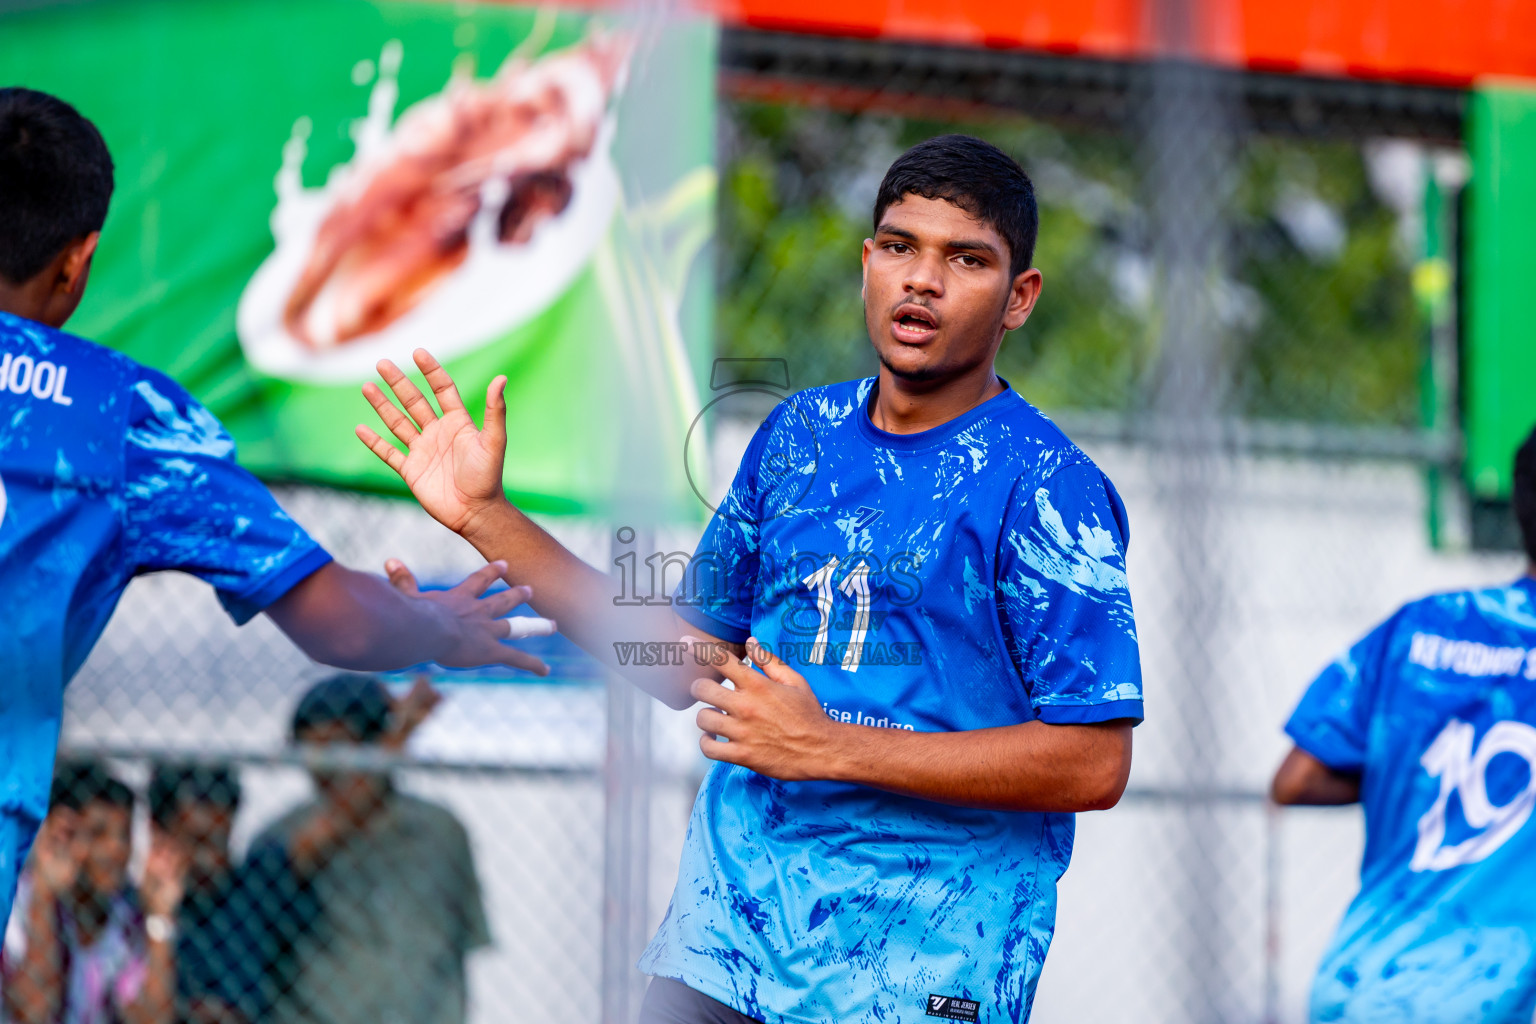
[[1315, 294]]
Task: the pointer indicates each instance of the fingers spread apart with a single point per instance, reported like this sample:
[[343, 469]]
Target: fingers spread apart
[[391, 456], [438, 379], [498, 603], [408, 394], [521, 659], [479, 581], [398, 423]]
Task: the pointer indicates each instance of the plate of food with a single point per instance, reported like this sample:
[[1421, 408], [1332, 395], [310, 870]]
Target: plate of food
[[450, 226]]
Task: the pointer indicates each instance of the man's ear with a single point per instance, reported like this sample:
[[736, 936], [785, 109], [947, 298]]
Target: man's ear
[[1022, 296], [77, 264], [869, 247]]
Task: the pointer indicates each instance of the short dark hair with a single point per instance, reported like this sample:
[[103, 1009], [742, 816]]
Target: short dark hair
[[1525, 493], [359, 702], [77, 783], [171, 785], [977, 177], [55, 180]]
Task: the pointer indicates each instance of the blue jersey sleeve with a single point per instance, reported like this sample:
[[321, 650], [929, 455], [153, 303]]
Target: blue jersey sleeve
[[716, 592], [1064, 600], [1332, 722], [189, 506]]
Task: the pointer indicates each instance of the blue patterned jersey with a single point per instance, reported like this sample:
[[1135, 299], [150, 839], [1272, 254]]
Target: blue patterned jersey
[[1436, 709], [965, 577], [107, 470]]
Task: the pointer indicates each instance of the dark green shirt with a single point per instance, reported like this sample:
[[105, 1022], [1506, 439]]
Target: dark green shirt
[[399, 907], [234, 947]]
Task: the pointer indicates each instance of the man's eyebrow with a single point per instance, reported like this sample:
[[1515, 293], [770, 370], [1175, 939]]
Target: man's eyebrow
[[973, 244], [964, 244]]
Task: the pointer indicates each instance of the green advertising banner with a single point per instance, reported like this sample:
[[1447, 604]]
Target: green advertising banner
[[1499, 350], [305, 187]]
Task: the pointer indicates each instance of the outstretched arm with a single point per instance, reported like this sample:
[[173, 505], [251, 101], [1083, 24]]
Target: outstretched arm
[[356, 620], [455, 470], [773, 724], [1303, 779]]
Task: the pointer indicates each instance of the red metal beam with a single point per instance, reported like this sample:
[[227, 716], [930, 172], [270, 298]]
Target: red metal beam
[[1445, 42]]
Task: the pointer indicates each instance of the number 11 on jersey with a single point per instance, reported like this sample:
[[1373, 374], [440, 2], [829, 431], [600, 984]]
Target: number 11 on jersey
[[855, 585]]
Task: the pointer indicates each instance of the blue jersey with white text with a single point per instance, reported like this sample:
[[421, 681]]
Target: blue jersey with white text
[[108, 469], [1436, 709], [965, 577]]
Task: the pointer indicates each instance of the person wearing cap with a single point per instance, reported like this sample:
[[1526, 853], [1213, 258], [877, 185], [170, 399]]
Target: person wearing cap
[[392, 876]]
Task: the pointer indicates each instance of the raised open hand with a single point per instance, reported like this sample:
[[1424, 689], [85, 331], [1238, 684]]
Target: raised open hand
[[453, 468], [407, 713], [58, 853], [165, 876]]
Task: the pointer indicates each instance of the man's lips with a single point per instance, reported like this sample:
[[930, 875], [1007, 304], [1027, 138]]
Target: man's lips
[[913, 324]]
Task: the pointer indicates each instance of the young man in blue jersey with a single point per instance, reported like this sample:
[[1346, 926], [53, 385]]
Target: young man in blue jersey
[[1430, 723], [108, 470], [929, 579]]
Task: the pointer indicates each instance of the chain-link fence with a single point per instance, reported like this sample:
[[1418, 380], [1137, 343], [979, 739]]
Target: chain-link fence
[[1229, 327]]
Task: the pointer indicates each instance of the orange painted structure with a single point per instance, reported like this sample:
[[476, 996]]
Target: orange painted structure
[[1440, 42]]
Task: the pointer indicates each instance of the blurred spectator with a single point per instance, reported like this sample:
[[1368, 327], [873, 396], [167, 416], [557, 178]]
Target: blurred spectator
[[82, 947], [237, 923], [392, 875]]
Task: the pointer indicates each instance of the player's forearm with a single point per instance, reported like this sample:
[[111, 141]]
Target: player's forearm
[[565, 588], [1304, 780], [1029, 767], [355, 620], [582, 600]]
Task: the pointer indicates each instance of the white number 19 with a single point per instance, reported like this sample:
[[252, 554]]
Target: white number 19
[[1461, 770]]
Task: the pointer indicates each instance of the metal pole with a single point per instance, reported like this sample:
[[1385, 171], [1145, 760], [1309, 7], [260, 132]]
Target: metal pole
[[1273, 925], [1189, 131], [626, 827]]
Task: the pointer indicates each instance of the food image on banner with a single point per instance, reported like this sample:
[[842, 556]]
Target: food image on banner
[[414, 241], [305, 187]]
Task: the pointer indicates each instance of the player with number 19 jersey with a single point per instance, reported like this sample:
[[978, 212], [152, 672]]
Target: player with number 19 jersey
[[965, 577], [1436, 711]]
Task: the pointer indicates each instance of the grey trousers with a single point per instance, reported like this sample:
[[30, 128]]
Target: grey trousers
[[672, 1002]]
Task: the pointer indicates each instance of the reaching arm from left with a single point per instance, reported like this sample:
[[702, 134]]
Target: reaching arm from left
[[355, 620]]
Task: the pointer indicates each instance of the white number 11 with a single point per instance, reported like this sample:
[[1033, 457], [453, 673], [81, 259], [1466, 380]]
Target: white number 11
[[854, 585]]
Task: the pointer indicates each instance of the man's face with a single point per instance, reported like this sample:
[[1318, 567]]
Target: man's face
[[103, 832], [202, 829], [938, 294], [354, 794]]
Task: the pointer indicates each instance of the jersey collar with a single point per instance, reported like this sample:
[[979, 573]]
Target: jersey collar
[[934, 436]]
